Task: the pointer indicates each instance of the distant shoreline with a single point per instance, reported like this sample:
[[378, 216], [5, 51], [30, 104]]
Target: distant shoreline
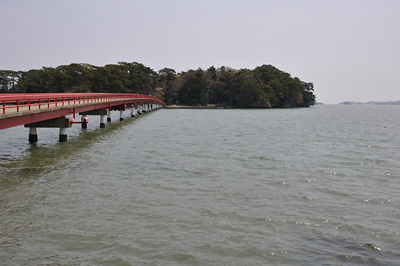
[[371, 103], [175, 106], [213, 106]]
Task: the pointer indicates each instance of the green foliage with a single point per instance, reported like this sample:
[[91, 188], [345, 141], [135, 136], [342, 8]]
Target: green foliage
[[122, 77], [249, 89], [194, 90], [167, 81], [265, 86], [9, 80]]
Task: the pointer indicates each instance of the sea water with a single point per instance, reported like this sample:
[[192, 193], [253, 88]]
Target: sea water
[[310, 186]]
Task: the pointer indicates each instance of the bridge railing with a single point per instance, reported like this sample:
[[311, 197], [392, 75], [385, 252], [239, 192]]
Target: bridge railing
[[24, 102]]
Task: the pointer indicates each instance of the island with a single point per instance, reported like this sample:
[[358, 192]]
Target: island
[[263, 87]]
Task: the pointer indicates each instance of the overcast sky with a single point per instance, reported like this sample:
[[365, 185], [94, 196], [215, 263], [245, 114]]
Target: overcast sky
[[349, 49]]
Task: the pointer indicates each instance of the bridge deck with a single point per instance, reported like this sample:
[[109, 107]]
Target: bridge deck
[[19, 109]]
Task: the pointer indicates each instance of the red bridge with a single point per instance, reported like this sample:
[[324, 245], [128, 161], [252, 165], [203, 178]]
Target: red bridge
[[50, 109]]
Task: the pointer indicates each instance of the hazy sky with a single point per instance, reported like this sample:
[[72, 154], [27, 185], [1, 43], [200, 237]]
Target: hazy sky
[[349, 49]]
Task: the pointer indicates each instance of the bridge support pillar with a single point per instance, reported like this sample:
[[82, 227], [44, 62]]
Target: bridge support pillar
[[109, 116], [139, 109], [84, 121], [133, 111], [103, 121], [121, 115], [33, 135], [61, 122], [103, 113], [63, 134]]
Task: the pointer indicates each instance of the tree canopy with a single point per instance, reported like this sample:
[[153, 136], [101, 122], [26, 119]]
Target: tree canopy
[[265, 86]]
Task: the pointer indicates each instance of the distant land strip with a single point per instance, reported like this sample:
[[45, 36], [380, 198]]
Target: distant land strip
[[371, 103]]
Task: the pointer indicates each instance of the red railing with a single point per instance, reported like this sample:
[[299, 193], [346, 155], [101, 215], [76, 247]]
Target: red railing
[[21, 102]]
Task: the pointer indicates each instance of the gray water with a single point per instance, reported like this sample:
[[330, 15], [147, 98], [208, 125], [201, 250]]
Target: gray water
[[312, 186]]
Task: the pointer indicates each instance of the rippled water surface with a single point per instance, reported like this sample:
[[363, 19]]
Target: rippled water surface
[[313, 186]]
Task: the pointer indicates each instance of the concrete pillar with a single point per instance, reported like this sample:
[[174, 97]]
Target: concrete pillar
[[103, 121], [133, 111], [84, 121], [63, 134], [33, 135], [121, 115], [61, 122], [145, 108], [139, 109], [109, 116]]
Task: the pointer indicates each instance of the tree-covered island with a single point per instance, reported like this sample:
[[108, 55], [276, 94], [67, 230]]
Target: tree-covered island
[[264, 87]]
